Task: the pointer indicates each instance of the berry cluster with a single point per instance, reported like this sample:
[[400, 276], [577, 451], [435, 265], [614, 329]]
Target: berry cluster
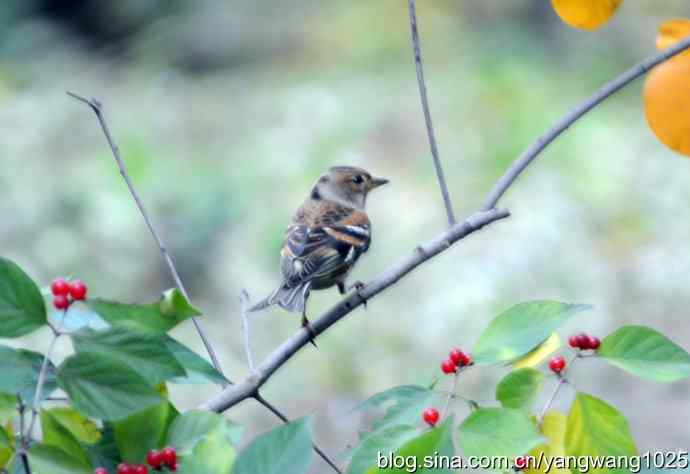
[[156, 459], [456, 360], [64, 292], [584, 342]]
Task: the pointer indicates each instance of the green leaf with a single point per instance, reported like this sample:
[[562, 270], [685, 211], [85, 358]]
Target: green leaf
[[82, 428], [192, 428], [519, 389], [104, 388], [214, 455], [158, 317], [4, 439], [520, 329], [197, 368], [595, 428], [498, 432], [387, 440], [283, 450], [146, 353], [408, 401], [6, 447], [435, 441], [105, 453], [644, 352], [22, 309], [143, 431], [57, 435], [8, 406], [45, 459], [174, 303], [20, 369]]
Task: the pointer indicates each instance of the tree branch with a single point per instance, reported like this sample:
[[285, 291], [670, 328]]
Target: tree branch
[[98, 110], [234, 394], [96, 106], [562, 125], [417, 50]]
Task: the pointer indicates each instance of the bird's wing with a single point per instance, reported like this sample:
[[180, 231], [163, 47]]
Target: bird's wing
[[339, 237]]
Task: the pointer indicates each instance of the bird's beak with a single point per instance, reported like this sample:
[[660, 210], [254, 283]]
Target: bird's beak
[[376, 182]]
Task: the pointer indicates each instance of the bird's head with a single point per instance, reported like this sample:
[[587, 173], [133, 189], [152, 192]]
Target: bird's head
[[346, 184]]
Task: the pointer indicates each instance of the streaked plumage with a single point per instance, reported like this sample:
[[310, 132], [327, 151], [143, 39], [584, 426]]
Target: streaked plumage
[[327, 235]]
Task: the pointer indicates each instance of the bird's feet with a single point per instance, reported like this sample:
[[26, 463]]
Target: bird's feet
[[358, 286], [312, 335]]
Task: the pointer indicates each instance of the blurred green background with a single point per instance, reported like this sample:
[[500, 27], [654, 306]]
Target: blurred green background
[[226, 112]]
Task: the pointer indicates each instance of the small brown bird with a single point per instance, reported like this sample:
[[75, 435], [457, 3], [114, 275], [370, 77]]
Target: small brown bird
[[327, 235]]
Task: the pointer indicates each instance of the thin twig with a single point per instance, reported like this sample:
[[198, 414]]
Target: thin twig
[[280, 415], [21, 408], [244, 300], [451, 394], [96, 106], [562, 380], [41, 382], [234, 394], [98, 110], [417, 49], [562, 125]]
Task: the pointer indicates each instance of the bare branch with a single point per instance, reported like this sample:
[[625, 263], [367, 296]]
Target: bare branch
[[232, 395], [244, 300], [98, 110], [416, 47], [562, 125]]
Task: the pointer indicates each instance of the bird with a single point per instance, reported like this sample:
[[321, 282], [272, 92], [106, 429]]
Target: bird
[[327, 235]]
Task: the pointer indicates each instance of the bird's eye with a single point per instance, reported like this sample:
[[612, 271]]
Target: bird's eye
[[358, 179]]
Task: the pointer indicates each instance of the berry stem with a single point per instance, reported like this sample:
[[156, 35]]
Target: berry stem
[[561, 381], [42, 376], [444, 413]]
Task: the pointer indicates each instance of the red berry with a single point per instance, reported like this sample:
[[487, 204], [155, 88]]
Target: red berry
[[457, 356], [582, 341], [557, 364], [448, 366], [77, 289], [431, 416], [154, 458], [520, 463], [593, 342], [574, 341], [141, 469], [467, 360], [60, 302], [100, 470], [169, 457], [59, 287], [125, 468]]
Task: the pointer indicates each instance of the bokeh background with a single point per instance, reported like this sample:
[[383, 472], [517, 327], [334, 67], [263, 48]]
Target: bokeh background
[[226, 112]]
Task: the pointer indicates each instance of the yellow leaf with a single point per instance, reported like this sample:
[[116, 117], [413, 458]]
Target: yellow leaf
[[585, 14], [667, 102], [553, 427], [543, 350]]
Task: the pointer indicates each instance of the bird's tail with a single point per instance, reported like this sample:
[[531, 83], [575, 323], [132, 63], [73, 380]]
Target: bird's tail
[[291, 299]]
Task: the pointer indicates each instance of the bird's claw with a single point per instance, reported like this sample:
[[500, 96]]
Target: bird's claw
[[358, 286]]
